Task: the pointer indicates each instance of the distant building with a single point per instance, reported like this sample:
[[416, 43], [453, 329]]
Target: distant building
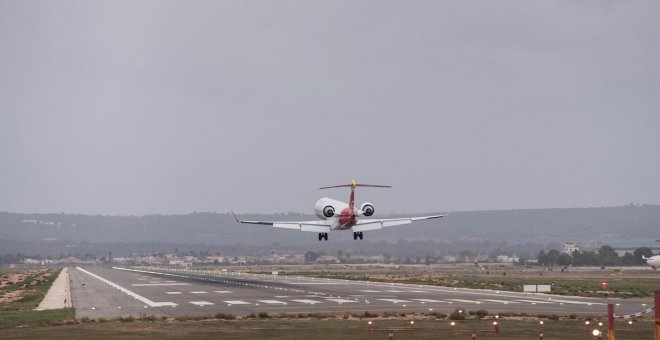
[[569, 248], [507, 259]]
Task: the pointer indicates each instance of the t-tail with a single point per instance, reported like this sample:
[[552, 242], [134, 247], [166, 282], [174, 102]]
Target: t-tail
[[353, 185]]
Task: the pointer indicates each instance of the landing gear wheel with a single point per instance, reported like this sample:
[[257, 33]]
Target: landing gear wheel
[[355, 235], [320, 236], [325, 236], [360, 235]]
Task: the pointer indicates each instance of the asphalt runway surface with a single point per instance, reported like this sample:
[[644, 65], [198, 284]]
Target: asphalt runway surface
[[114, 292]]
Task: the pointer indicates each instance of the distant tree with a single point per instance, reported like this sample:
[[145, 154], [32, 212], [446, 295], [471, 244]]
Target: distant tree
[[564, 260], [639, 252], [607, 251]]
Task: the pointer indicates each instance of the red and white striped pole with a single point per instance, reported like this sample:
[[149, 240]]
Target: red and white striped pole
[[610, 321], [657, 315]]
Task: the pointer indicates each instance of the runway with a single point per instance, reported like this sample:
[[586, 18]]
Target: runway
[[114, 292]]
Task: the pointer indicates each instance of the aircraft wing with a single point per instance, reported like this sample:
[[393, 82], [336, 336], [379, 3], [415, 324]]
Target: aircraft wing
[[313, 226], [365, 225]]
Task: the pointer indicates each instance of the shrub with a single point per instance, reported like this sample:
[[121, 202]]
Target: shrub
[[457, 314], [264, 315]]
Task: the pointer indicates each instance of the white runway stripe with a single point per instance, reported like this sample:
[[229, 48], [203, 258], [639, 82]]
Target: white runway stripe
[[198, 292], [534, 301], [499, 301], [308, 301], [393, 300], [340, 300], [461, 300], [202, 303], [429, 300], [369, 291], [222, 291], [273, 302], [172, 293], [236, 302]]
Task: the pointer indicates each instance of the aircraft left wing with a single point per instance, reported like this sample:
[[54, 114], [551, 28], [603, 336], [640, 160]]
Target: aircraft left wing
[[365, 225], [313, 226]]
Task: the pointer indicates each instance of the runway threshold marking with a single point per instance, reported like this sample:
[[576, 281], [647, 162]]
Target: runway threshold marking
[[136, 296]]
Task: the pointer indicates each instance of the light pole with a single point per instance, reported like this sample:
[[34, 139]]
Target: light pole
[[541, 330], [586, 327], [496, 327]]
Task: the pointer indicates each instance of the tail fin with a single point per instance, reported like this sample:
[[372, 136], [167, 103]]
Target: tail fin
[[354, 185]]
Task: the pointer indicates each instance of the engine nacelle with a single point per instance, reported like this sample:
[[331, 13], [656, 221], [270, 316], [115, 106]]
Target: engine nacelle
[[327, 207], [367, 209]]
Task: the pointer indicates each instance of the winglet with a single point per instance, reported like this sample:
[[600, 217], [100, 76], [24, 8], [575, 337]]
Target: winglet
[[235, 217]]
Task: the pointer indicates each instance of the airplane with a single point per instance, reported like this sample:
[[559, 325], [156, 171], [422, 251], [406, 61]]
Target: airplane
[[337, 215], [653, 261]]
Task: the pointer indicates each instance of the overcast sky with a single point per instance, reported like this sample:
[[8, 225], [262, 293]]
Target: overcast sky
[[140, 107]]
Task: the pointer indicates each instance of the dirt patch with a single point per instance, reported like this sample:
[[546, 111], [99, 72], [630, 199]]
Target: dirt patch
[[11, 296]]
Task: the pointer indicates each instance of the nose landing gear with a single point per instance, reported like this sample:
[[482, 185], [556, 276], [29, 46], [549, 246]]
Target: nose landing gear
[[357, 234], [323, 236]]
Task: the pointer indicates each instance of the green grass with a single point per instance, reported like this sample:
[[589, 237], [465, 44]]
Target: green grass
[[314, 329], [21, 313], [31, 318]]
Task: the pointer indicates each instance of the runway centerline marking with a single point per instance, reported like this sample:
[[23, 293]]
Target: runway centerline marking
[[222, 291], [198, 292], [138, 297], [202, 303], [173, 293]]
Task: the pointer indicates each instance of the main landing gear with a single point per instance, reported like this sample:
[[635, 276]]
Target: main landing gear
[[357, 234], [323, 236]]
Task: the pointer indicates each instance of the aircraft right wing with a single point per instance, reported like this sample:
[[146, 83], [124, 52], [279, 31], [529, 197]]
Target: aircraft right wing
[[312, 226]]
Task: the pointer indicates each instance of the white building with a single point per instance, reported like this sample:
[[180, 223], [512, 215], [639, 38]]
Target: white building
[[569, 248]]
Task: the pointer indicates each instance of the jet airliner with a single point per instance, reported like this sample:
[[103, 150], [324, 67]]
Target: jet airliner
[[337, 215]]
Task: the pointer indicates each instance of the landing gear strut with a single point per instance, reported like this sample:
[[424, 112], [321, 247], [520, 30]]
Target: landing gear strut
[[357, 234], [323, 236]]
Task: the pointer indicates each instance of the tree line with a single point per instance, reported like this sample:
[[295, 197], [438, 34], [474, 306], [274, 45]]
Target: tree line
[[604, 256]]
